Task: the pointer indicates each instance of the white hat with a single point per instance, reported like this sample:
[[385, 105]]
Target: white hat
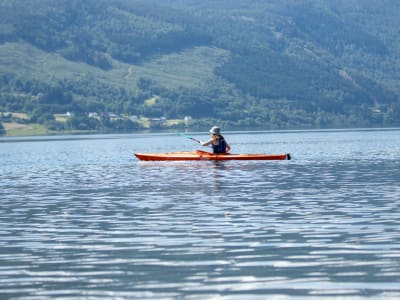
[[215, 130]]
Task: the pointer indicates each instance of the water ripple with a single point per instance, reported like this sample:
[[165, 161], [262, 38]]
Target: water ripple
[[304, 229]]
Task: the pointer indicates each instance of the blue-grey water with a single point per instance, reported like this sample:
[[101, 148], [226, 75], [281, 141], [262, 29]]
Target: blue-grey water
[[82, 218]]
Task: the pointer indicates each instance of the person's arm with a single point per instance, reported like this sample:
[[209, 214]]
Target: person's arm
[[209, 142], [228, 148]]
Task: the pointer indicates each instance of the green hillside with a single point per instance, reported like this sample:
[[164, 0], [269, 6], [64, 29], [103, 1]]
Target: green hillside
[[244, 64]]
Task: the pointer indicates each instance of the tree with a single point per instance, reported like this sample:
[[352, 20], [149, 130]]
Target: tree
[[41, 116], [56, 95], [2, 130]]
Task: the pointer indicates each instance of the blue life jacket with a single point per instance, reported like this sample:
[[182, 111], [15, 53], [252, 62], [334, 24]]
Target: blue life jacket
[[221, 147]]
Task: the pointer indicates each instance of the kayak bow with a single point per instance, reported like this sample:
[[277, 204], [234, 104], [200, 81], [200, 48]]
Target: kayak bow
[[204, 155]]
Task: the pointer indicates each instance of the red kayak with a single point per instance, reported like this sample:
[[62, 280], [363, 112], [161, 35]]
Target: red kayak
[[204, 155]]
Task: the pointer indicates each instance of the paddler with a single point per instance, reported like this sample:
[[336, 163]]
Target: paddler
[[217, 141]]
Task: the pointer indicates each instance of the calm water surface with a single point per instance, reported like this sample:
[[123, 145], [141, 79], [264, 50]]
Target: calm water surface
[[81, 218]]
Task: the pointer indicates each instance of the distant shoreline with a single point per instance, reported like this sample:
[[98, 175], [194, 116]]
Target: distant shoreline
[[76, 133]]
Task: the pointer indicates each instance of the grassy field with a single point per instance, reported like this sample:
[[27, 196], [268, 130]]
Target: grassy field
[[61, 117], [190, 68], [16, 129]]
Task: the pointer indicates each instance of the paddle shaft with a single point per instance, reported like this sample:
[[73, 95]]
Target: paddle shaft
[[189, 137]]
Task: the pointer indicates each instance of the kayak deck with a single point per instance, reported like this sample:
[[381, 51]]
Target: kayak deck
[[204, 155]]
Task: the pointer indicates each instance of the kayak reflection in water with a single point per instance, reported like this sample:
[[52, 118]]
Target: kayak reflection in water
[[217, 141]]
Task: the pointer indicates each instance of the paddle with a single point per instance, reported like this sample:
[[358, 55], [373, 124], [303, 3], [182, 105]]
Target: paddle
[[188, 137]]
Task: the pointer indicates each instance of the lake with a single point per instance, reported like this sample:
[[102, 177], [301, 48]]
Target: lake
[[82, 218]]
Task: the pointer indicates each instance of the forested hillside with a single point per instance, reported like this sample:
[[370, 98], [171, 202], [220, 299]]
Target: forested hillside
[[123, 65]]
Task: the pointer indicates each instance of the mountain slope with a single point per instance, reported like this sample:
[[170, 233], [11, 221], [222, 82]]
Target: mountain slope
[[270, 64]]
